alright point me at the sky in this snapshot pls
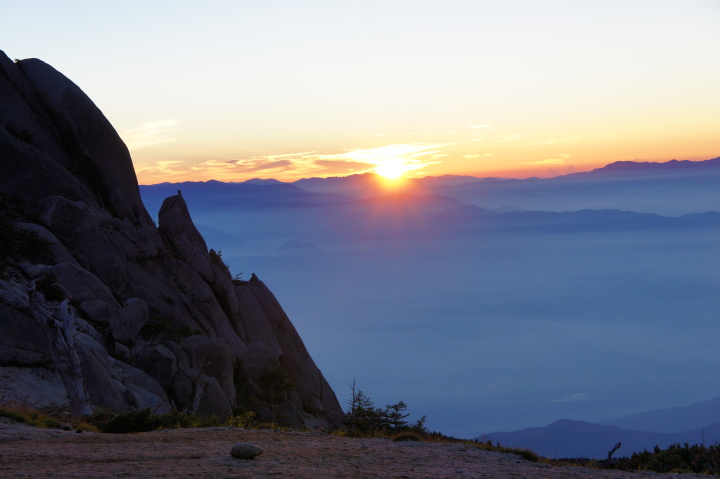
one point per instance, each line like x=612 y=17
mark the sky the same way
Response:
x=233 y=90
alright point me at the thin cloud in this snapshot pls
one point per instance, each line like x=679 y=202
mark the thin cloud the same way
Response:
x=160 y=167
x=337 y=167
x=560 y=160
x=261 y=164
x=150 y=133
x=160 y=171
x=571 y=398
x=412 y=156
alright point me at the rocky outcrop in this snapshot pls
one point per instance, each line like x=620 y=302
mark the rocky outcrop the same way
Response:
x=156 y=319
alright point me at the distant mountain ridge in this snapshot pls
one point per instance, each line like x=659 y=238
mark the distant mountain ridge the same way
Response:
x=668 y=188
x=634 y=167
x=671 y=188
x=569 y=439
x=671 y=420
x=694 y=424
x=672 y=165
x=248 y=193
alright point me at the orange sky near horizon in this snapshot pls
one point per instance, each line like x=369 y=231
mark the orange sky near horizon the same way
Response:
x=436 y=160
x=288 y=90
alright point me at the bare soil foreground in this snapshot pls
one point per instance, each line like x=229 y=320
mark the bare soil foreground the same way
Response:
x=205 y=453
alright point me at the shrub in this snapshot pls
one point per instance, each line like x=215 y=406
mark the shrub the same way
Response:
x=143 y=421
x=363 y=418
x=14 y=415
x=133 y=421
x=216 y=258
x=19 y=412
x=696 y=458
x=526 y=454
x=243 y=420
x=407 y=436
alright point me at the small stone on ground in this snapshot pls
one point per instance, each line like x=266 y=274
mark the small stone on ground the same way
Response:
x=244 y=450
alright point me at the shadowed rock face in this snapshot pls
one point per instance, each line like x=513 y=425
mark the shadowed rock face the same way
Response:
x=157 y=320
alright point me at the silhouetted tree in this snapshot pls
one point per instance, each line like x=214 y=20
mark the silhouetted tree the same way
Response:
x=395 y=417
x=363 y=417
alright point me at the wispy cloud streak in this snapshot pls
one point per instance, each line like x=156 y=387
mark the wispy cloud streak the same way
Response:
x=150 y=133
x=412 y=156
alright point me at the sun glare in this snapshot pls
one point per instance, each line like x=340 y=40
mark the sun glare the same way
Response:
x=393 y=170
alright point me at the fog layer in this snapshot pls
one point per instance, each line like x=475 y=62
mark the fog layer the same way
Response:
x=483 y=321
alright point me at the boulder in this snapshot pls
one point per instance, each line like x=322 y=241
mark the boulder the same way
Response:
x=82 y=284
x=99 y=312
x=210 y=399
x=159 y=362
x=243 y=450
x=126 y=326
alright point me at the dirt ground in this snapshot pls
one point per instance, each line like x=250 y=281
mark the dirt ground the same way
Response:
x=27 y=452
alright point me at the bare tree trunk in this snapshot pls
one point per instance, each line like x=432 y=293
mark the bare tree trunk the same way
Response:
x=58 y=324
x=612 y=451
x=201 y=385
x=66 y=359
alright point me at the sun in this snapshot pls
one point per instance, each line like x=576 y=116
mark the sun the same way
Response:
x=392 y=170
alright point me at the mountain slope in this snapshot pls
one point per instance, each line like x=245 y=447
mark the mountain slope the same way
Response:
x=101 y=308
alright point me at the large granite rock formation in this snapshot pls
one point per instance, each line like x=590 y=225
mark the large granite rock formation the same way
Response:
x=98 y=306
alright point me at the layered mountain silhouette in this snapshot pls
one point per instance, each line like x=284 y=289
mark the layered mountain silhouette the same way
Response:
x=697 y=423
x=671 y=188
x=572 y=439
x=99 y=307
x=506 y=282
x=672 y=420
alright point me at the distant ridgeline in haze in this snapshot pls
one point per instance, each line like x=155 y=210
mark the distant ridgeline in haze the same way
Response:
x=99 y=307
x=494 y=304
x=695 y=424
x=671 y=188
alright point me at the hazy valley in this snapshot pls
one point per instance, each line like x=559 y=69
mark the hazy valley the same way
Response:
x=490 y=319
